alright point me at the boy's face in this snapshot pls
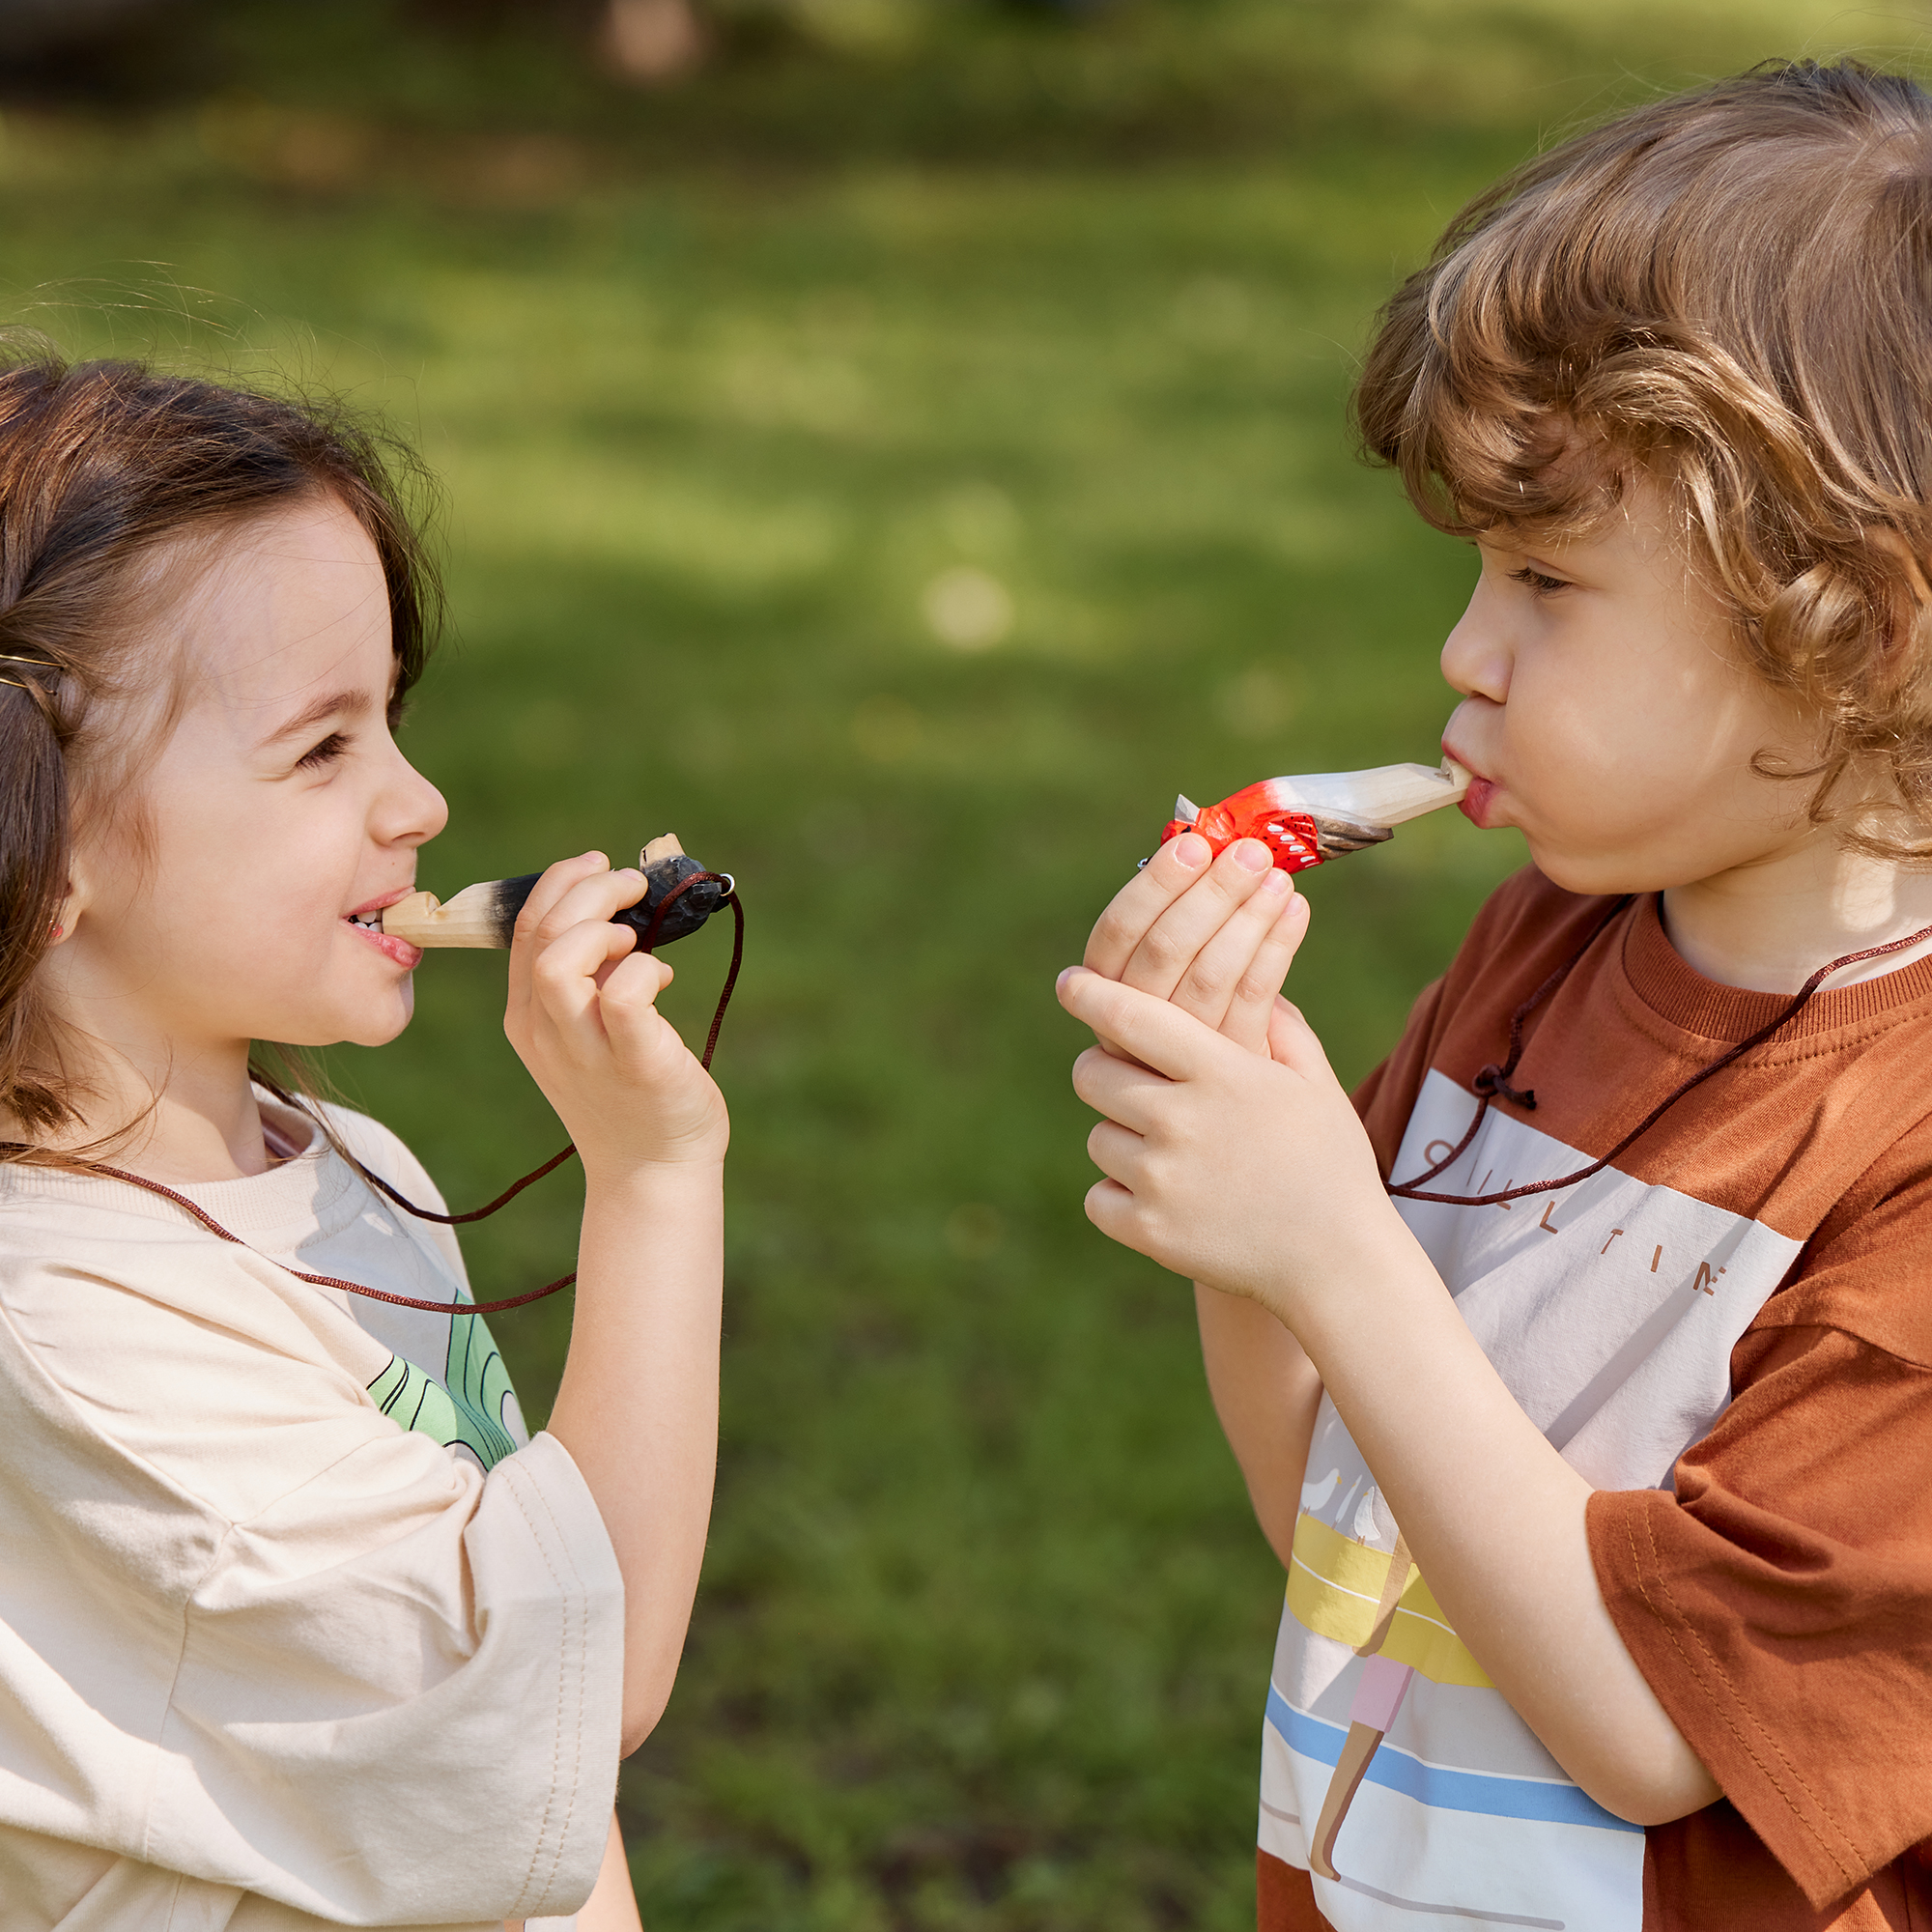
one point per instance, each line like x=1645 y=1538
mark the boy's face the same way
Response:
x=1608 y=716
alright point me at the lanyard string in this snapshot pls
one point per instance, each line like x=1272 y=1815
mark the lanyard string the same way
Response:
x=510 y=1193
x=1491 y=1083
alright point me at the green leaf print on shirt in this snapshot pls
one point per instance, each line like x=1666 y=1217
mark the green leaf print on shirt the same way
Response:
x=465 y=1407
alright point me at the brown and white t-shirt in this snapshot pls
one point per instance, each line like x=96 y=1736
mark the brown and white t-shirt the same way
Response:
x=1729 y=1333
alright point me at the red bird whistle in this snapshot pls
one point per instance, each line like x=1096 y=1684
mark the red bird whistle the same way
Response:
x=1321 y=815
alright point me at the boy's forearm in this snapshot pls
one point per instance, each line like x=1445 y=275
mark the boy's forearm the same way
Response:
x=1493 y=1517
x=1265 y=1392
x=637 y=1404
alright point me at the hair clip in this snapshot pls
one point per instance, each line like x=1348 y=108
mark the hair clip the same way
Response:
x=14 y=658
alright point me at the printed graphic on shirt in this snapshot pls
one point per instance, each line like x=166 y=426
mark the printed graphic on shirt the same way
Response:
x=1390 y=1766
x=474 y=1408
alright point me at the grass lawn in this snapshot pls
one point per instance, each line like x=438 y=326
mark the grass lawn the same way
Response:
x=904 y=535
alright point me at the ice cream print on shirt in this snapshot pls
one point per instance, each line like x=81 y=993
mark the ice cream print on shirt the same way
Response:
x=470 y=1407
x=1392 y=1768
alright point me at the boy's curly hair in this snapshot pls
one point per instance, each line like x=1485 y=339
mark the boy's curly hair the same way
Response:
x=1730 y=290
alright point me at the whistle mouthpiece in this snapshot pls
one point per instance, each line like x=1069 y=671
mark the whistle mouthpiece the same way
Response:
x=484 y=916
x=1304 y=821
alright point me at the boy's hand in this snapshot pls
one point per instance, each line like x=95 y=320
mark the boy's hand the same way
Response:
x=582 y=1017
x=1217 y=939
x=1250 y=1173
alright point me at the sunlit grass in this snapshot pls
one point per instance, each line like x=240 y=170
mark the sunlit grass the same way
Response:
x=904 y=537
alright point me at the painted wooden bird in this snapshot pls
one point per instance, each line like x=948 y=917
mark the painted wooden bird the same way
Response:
x=1321 y=815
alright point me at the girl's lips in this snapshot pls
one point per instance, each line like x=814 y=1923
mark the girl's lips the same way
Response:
x=400 y=951
x=381 y=904
x=392 y=947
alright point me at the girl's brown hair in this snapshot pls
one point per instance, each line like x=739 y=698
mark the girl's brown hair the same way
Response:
x=1731 y=291
x=105 y=467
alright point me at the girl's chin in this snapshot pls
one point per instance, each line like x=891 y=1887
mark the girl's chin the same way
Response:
x=379 y=1025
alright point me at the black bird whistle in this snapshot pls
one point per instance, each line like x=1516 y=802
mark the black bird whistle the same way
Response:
x=485 y=915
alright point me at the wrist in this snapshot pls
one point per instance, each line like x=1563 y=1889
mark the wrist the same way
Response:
x=1365 y=1276
x=616 y=1178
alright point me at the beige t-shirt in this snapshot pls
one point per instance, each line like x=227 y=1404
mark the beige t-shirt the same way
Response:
x=296 y=1628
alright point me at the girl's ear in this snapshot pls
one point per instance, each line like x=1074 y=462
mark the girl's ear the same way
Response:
x=73 y=903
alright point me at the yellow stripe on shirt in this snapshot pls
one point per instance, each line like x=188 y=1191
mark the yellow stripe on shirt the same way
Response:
x=1334 y=1586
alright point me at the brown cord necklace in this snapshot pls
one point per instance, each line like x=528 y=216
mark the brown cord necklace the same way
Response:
x=510 y=1193
x=1491 y=1082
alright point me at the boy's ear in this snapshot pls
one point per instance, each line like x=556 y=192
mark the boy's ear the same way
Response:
x=1911 y=598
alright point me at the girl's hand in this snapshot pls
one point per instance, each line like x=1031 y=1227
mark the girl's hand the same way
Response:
x=582 y=1017
x=1250 y=1174
x=1214 y=938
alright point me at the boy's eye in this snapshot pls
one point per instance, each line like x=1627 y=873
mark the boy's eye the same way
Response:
x=1538 y=583
x=325 y=753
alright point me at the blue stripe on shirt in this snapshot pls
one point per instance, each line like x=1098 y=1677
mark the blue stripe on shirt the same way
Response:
x=1437 y=1786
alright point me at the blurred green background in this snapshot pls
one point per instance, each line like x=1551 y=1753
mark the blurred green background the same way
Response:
x=898 y=444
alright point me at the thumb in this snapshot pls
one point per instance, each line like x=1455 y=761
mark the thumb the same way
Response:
x=1292 y=1043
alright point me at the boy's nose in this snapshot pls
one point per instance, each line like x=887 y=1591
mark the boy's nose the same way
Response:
x=1475 y=658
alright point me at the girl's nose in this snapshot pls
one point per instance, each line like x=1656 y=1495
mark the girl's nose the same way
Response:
x=411 y=810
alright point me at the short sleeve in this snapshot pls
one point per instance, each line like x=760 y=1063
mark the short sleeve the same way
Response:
x=1780 y=1603
x=252 y=1631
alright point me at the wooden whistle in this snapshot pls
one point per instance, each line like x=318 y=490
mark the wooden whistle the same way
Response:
x=485 y=915
x=1321 y=815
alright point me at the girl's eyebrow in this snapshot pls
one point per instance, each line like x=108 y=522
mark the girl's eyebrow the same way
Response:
x=331 y=705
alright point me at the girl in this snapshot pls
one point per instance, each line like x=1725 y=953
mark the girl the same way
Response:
x=297 y=1625
x=1600 y=1455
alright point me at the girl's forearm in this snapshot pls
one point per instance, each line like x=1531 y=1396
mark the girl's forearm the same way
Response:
x=1494 y=1518
x=637 y=1404
x=1265 y=1393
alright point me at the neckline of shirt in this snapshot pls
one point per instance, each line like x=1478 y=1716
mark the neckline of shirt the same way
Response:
x=311 y=1194
x=1673 y=989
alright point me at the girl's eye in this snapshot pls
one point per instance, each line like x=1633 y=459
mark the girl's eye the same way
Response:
x=1538 y=582
x=325 y=753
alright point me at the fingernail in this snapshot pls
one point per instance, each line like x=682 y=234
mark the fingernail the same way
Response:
x=1277 y=884
x=1252 y=856
x=1192 y=851
x=1065 y=974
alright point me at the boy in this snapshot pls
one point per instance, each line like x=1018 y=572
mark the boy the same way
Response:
x=1601 y=1454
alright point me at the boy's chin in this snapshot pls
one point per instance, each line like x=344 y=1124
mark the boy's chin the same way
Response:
x=1589 y=877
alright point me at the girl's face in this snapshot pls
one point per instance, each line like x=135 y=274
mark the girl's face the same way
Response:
x=279 y=805
x=1606 y=714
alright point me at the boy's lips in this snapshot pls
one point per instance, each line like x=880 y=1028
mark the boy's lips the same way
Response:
x=1475 y=803
x=367 y=921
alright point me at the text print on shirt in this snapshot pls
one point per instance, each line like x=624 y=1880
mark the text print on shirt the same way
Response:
x=1621 y=1382
x=1616 y=1340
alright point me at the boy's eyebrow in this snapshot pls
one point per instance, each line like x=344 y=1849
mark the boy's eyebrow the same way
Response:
x=333 y=704
x=1522 y=546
